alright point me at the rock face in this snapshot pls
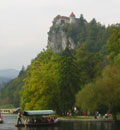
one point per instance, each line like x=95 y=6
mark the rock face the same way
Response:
x=58 y=41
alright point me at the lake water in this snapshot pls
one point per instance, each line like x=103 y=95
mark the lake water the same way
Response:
x=10 y=119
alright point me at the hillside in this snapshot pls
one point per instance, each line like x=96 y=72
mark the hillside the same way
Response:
x=6 y=75
x=10 y=92
x=76 y=55
x=9 y=73
x=4 y=79
x=71 y=34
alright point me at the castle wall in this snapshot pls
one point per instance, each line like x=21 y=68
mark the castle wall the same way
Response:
x=72 y=20
x=61 y=21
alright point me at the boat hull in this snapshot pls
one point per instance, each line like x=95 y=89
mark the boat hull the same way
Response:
x=19 y=125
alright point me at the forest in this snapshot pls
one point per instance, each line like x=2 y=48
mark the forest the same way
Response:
x=87 y=77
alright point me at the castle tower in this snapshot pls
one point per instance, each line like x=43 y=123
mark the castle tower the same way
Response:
x=72 y=18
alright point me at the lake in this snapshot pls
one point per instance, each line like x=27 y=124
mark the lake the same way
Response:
x=10 y=119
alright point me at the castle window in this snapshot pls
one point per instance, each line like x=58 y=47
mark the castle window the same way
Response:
x=62 y=21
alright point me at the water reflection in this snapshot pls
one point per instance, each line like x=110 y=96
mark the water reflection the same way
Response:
x=39 y=128
x=9 y=121
x=90 y=125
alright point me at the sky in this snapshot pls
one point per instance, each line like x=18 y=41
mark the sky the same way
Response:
x=24 y=24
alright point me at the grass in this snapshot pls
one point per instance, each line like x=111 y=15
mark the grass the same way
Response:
x=76 y=117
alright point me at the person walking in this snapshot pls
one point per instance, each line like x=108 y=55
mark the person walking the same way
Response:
x=19 y=116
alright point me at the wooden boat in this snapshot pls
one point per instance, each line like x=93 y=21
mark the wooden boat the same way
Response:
x=19 y=125
x=39 y=118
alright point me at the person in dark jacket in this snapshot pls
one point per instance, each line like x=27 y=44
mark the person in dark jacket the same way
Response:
x=19 y=116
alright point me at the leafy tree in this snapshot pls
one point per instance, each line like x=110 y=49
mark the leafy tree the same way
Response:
x=89 y=64
x=51 y=83
x=114 y=43
x=52 y=80
x=104 y=92
x=40 y=84
x=68 y=81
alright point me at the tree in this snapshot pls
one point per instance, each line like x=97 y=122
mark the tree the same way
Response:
x=114 y=43
x=89 y=64
x=68 y=82
x=104 y=92
x=40 y=85
x=82 y=21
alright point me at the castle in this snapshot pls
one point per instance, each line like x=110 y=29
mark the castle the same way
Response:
x=57 y=38
x=60 y=20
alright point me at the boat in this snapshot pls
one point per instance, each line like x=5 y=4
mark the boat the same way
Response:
x=39 y=118
x=19 y=125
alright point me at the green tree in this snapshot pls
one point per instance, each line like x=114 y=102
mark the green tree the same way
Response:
x=68 y=81
x=114 y=43
x=104 y=92
x=40 y=85
x=89 y=64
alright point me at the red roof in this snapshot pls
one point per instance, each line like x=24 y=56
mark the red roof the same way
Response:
x=61 y=17
x=72 y=14
x=64 y=17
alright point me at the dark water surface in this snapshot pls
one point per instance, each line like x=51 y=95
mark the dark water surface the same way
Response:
x=10 y=119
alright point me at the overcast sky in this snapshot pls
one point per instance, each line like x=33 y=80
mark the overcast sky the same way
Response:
x=24 y=24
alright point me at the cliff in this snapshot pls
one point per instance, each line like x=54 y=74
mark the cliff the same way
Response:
x=71 y=32
x=58 y=41
x=57 y=38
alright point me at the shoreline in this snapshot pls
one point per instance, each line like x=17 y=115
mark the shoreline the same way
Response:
x=86 y=119
x=90 y=120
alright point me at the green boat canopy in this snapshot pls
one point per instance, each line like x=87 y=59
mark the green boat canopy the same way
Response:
x=38 y=113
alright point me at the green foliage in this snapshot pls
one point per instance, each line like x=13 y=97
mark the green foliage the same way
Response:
x=51 y=83
x=68 y=81
x=92 y=33
x=104 y=92
x=89 y=64
x=114 y=43
x=53 y=80
x=40 y=88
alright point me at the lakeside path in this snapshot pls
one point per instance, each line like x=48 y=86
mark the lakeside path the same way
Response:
x=84 y=118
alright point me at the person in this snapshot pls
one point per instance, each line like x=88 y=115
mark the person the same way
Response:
x=85 y=113
x=96 y=115
x=0 y=116
x=19 y=118
x=108 y=115
x=105 y=116
x=56 y=120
